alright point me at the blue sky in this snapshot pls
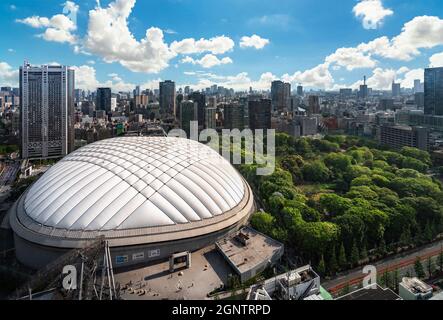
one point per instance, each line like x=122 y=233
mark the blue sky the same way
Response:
x=293 y=40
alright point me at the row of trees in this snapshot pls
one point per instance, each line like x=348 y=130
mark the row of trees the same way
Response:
x=374 y=200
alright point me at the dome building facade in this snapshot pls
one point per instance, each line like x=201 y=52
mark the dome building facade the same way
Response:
x=150 y=197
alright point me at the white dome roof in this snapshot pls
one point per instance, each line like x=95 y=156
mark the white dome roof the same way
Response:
x=135 y=182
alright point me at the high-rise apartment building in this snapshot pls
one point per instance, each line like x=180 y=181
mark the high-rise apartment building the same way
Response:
x=167 y=99
x=188 y=113
x=314 y=105
x=280 y=95
x=234 y=116
x=47 y=108
x=434 y=91
x=103 y=100
x=211 y=118
x=200 y=99
x=260 y=114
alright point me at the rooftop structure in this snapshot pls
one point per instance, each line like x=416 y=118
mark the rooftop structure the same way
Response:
x=414 y=289
x=294 y=285
x=250 y=252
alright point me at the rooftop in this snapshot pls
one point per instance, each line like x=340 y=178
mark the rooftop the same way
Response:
x=248 y=249
x=369 y=294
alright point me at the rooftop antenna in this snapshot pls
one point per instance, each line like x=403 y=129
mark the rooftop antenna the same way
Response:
x=364 y=80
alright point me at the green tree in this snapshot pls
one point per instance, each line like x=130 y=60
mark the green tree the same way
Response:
x=263 y=222
x=338 y=162
x=316 y=171
x=418 y=154
x=321 y=268
x=355 y=256
x=430 y=266
x=419 y=270
x=396 y=280
x=440 y=259
x=342 y=261
x=333 y=265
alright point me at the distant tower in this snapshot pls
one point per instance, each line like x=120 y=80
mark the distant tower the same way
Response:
x=363 y=93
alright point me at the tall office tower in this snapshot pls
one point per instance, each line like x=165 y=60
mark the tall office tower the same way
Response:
x=314 y=105
x=188 y=113
x=396 y=89
x=136 y=91
x=47 y=105
x=280 y=94
x=187 y=90
x=200 y=99
x=300 y=91
x=211 y=118
x=434 y=91
x=417 y=86
x=179 y=99
x=363 y=93
x=419 y=98
x=103 y=100
x=167 y=99
x=260 y=114
x=234 y=116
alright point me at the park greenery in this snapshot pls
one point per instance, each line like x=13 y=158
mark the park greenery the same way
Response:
x=341 y=201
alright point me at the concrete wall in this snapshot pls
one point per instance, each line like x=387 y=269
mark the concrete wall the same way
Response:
x=37 y=256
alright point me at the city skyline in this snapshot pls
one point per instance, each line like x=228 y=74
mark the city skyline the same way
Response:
x=236 y=45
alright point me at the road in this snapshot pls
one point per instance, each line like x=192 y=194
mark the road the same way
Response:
x=9 y=174
x=404 y=261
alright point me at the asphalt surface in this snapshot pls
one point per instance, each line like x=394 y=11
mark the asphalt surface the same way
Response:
x=402 y=262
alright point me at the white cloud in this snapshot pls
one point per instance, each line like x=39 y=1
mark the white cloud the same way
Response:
x=317 y=77
x=436 y=60
x=216 y=45
x=372 y=13
x=35 y=21
x=8 y=75
x=350 y=58
x=169 y=31
x=408 y=79
x=109 y=37
x=86 y=79
x=208 y=61
x=253 y=41
x=282 y=21
x=59 y=28
x=423 y=32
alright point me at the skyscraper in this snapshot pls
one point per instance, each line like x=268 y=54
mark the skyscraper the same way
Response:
x=417 y=86
x=188 y=113
x=234 y=117
x=280 y=94
x=260 y=114
x=103 y=100
x=300 y=91
x=396 y=89
x=211 y=118
x=434 y=91
x=363 y=93
x=47 y=105
x=314 y=105
x=200 y=99
x=167 y=99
